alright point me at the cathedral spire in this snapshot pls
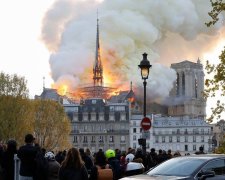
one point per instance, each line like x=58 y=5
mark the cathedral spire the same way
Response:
x=97 y=69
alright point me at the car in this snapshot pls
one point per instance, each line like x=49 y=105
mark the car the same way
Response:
x=193 y=167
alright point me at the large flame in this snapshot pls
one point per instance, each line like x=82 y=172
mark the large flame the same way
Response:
x=62 y=90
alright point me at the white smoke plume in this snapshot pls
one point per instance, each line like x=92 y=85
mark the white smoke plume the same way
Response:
x=169 y=31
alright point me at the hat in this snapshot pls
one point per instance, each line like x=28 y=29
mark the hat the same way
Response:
x=129 y=157
x=50 y=156
x=110 y=153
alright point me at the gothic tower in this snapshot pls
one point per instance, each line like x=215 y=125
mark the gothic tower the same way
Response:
x=98 y=69
x=187 y=93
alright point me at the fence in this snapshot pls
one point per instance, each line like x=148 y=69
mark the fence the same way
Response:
x=17 y=167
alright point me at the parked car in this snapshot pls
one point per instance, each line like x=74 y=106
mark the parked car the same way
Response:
x=194 y=167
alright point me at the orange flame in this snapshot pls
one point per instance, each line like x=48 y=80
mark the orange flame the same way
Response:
x=62 y=89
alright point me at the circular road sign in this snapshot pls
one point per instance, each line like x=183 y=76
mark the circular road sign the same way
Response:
x=146 y=123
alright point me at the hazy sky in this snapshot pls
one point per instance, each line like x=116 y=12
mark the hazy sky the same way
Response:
x=23 y=52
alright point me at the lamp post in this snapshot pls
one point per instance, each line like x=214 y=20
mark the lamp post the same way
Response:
x=145 y=66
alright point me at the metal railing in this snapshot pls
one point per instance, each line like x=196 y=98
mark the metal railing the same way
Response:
x=16 y=167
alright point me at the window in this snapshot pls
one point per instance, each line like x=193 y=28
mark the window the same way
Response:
x=194 y=138
x=178 y=131
x=134 y=145
x=186 y=147
x=134 y=130
x=170 y=139
x=122 y=117
x=134 y=138
x=177 y=85
x=183 y=84
x=92 y=138
x=163 y=139
x=202 y=138
x=85 y=139
x=202 y=131
x=93 y=116
x=134 y=123
x=196 y=88
x=101 y=117
x=75 y=139
x=111 y=108
x=120 y=108
x=111 y=139
x=112 y=117
x=194 y=147
x=186 y=139
x=156 y=139
x=93 y=101
x=101 y=139
x=178 y=139
x=218 y=166
x=122 y=139
x=85 y=116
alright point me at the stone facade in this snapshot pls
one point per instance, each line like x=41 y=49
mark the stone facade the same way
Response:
x=176 y=133
x=186 y=98
x=97 y=124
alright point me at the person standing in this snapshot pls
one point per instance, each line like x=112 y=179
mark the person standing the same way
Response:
x=8 y=160
x=53 y=166
x=73 y=167
x=27 y=154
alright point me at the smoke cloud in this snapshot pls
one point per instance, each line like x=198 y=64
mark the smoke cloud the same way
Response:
x=169 y=31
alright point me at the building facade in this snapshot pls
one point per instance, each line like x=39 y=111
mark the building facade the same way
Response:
x=97 y=124
x=186 y=97
x=176 y=133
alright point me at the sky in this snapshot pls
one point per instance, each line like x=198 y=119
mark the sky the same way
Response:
x=36 y=35
x=22 y=51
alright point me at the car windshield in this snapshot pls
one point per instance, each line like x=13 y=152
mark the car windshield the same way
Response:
x=177 y=167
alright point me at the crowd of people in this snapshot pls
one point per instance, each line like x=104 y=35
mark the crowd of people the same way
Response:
x=73 y=164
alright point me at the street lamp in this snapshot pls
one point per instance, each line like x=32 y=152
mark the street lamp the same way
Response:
x=145 y=123
x=145 y=66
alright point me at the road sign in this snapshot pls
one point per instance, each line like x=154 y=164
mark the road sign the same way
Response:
x=146 y=123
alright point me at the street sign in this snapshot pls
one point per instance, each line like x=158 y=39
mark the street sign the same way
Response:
x=145 y=134
x=146 y=123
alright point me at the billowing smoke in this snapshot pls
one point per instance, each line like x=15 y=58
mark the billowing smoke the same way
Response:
x=169 y=31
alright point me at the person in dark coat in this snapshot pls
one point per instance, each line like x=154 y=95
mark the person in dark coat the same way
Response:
x=8 y=160
x=41 y=164
x=87 y=160
x=114 y=164
x=73 y=167
x=152 y=158
x=27 y=154
x=53 y=166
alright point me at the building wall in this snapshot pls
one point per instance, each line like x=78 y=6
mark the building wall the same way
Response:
x=99 y=125
x=175 y=133
x=186 y=96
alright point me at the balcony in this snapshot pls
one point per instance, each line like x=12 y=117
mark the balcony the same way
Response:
x=75 y=132
x=180 y=133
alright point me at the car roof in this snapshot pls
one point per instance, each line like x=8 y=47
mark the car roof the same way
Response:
x=204 y=156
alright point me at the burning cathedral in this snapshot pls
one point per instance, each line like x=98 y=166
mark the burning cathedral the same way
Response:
x=103 y=119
